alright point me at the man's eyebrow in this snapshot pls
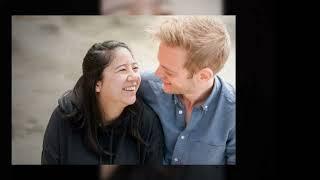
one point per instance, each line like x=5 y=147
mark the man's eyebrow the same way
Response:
x=135 y=63
x=167 y=69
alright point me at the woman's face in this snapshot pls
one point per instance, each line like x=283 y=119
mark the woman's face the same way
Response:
x=120 y=80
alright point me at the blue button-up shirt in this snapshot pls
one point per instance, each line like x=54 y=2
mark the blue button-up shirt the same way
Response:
x=210 y=136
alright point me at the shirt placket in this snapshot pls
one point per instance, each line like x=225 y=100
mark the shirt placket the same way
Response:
x=181 y=143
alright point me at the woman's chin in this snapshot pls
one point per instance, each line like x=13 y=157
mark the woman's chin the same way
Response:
x=130 y=100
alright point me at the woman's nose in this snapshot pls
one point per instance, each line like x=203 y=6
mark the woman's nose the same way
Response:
x=133 y=77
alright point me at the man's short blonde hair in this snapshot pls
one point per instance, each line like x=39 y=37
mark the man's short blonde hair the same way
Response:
x=205 y=38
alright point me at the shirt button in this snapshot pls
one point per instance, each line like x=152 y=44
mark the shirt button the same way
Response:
x=180 y=111
x=176 y=159
x=182 y=137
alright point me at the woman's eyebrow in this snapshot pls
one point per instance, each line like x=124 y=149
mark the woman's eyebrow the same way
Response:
x=134 y=63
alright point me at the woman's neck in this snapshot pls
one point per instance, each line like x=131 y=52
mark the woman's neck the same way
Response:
x=110 y=111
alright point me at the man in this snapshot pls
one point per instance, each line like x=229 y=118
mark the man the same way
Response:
x=196 y=107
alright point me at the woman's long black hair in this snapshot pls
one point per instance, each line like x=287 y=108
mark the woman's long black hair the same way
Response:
x=98 y=57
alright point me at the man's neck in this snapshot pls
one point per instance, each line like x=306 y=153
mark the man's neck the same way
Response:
x=198 y=97
x=191 y=100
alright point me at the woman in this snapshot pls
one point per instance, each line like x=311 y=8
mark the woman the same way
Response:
x=101 y=121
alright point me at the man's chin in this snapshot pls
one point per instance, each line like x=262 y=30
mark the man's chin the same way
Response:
x=167 y=90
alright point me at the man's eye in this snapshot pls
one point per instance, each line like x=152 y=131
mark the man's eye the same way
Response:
x=122 y=70
x=136 y=68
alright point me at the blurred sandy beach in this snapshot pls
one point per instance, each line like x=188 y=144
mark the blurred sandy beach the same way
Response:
x=47 y=54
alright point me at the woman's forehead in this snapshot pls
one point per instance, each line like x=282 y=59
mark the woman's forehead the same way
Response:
x=122 y=56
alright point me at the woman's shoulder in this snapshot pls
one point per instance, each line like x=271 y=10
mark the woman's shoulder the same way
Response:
x=148 y=117
x=65 y=112
x=58 y=120
x=67 y=103
x=147 y=111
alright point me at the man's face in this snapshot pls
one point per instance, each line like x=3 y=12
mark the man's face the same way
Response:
x=175 y=78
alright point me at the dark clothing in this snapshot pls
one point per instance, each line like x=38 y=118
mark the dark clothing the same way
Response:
x=64 y=144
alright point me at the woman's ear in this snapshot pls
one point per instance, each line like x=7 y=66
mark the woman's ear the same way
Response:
x=98 y=86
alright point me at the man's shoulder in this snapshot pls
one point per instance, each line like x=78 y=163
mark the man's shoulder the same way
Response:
x=149 y=77
x=228 y=91
x=150 y=83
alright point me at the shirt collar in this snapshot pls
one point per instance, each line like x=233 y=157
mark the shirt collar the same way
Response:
x=207 y=102
x=213 y=93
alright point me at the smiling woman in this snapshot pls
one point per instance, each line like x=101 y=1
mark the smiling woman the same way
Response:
x=101 y=121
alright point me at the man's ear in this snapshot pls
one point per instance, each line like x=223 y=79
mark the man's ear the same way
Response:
x=205 y=74
x=98 y=86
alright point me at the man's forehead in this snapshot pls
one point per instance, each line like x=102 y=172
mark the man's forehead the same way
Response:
x=173 y=50
x=172 y=59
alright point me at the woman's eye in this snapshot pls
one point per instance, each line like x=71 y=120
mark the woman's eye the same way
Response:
x=122 y=70
x=135 y=68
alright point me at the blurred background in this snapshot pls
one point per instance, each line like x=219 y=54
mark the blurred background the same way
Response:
x=47 y=54
x=161 y=7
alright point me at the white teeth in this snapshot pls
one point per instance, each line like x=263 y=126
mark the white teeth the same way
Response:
x=131 y=88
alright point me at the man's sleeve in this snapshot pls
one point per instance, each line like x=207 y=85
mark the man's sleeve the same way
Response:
x=231 y=147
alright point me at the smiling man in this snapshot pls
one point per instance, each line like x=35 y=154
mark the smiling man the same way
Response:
x=196 y=106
